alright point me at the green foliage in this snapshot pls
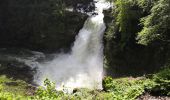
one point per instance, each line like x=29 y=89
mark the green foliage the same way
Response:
x=127 y=15
x=146 y=5
x=3 y=79
x=127 y=89
x=121 y=33
x=115 y=89
x=10 y=96
x=48 y=92
x=138 y=36
x=108 y=83
x=17 y=87
x=12 y=90
x=162 y=80
x=154 y=16
x=1 y=87
x=156 y=25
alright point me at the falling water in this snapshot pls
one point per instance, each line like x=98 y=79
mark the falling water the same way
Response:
x=83 y=67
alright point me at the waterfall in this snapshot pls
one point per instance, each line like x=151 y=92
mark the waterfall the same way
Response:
x=83 y=66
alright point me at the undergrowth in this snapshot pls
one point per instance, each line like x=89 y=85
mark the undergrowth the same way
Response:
x=12 y=89
x=113 y=89
x=126 y=88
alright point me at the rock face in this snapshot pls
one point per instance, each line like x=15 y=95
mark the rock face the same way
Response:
x=131 y=58
x=38 y=24
x=19 y=63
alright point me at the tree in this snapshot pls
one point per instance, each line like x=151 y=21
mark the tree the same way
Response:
x=156 y=25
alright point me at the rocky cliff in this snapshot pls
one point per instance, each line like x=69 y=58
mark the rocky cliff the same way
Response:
x=40 y=25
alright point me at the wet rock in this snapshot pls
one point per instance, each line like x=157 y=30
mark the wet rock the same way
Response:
x=11 y=83
x=147 y=96
x=19 y=64
x=39 y=26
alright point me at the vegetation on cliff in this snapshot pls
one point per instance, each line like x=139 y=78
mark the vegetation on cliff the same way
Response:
x=39 y=25
x=137 y=39
x=137 y=47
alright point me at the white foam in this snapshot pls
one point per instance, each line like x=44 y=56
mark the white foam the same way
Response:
x=83 y=67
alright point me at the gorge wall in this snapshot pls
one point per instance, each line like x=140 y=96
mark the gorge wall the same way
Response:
x=39 y=25
x=48 y=26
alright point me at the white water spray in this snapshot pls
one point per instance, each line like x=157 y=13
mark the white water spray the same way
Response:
x=83 y=67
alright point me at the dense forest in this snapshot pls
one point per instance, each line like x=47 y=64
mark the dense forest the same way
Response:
x=138 y=36
x=136 y=42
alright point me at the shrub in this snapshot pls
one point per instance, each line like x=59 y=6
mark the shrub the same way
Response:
x=162 y=80
x=125 y=89
x=48 y=92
